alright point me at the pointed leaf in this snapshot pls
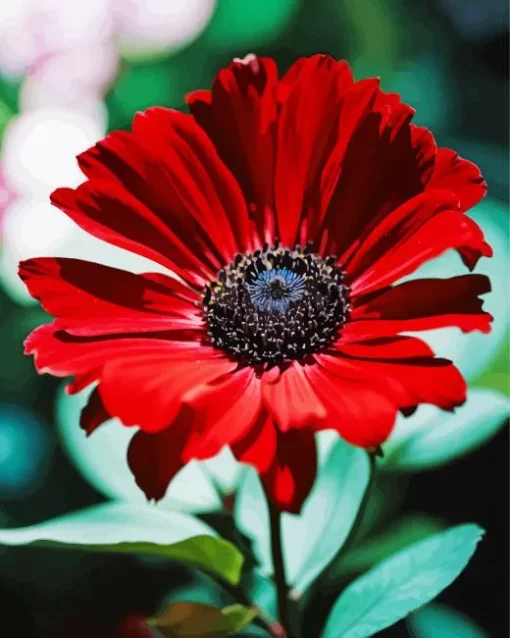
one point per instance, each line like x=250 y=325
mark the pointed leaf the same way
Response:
x=331 y=510
x=311 y=539
x=386 y=496
x=402 y=583
x=189 y=619
x=448 y=436
x=238 y=617
x=121 y=527
x=374 y=549
x=439 y=621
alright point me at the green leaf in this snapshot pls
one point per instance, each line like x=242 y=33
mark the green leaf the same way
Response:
x=498 y=381
x=387 y=494
x=121 y=527
x=238 y=617
x=311 y=539
x=201 y=589
x=448 y=436
x=439 y=621
x=394 y=538
x=496 y=376
x=402 y=583
x=189 y=619
x=262 y=592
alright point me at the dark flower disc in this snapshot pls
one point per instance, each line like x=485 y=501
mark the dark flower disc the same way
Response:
x=276 y=304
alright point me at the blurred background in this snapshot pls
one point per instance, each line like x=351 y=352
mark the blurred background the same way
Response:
x=69 y=73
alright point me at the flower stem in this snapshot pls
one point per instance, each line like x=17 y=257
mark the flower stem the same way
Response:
x=279 y=569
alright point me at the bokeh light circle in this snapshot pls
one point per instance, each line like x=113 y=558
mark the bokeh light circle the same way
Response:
x=146 y=26
x=40 y=146
x=26 y=446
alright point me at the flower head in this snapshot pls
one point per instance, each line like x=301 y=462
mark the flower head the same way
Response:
x=287 y=210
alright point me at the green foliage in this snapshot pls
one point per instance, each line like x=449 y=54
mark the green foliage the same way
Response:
x=438 y=621
x=243 y=23
x=123 y=528
x=311 y=539
x=448 y=436
x=139 y=87
x=402 y=583
x=387 y=493
x=374 y=549
x=188 y=619
x=6 y=113
x=497 y=377
x=18 y=377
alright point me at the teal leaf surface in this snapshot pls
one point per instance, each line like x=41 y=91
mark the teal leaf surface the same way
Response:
x=439 y=621
x=311 y=539
x=402 y=583
x=126 y=528
x=446 y=436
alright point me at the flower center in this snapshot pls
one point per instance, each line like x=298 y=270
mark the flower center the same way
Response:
x=275 y=304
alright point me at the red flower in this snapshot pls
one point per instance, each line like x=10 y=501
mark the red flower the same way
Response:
x=289 y=209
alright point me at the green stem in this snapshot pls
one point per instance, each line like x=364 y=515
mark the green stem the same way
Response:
x=279 y=569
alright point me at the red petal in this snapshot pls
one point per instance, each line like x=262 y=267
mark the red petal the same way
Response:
x=223 y=412
x=287 y=82
x=63 y=355
x=443 y=168
x=361 y=413
x=379 y=162
x=259 y=446
x=161 y=192
x=356 y=107
x=364 y=171
x=199 y=430
x=422 y=304
x=308 y=130
x=286 y=461
x=148 y=388
x=291 y=400
x=94 y=413
x=91 y=299
x=394 y=347
x=292 y=474
x=197 y=184
x=419 y=230
x=405 y=364
x=106 y=210
x=155 y=459
x=239 y=116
